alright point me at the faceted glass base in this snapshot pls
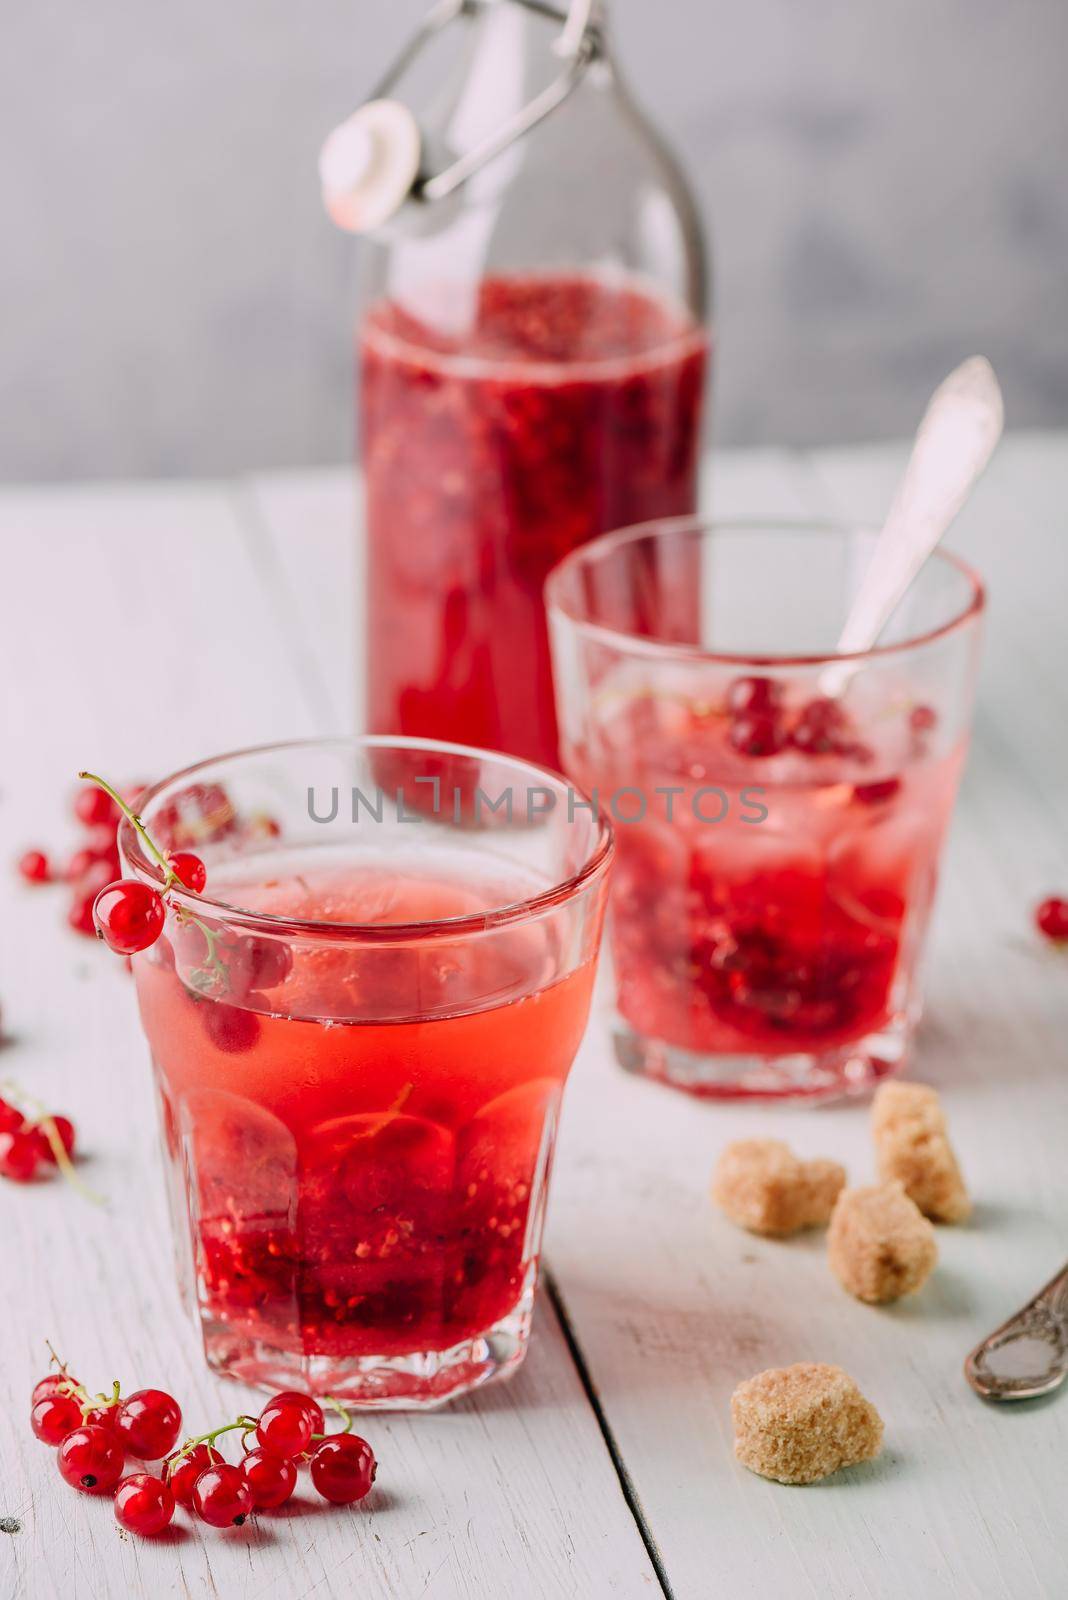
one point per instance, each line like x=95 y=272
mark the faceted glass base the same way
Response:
x=418 y=1381
x=847 y=1070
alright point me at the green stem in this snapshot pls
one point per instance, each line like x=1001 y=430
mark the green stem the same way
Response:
x=346 y=1416
x=248 y=1424
x=135 y=822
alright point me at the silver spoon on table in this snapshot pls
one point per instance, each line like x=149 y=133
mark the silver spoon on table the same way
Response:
x=1028 y=1355
x=954 y=442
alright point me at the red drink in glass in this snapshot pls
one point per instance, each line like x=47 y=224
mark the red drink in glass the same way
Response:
x=780 y=819
x=782 y=935
x=360 y=1078
x=565 y=406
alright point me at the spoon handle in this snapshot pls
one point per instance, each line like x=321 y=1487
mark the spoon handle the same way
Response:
x=960 y=428
x=1028 y=1355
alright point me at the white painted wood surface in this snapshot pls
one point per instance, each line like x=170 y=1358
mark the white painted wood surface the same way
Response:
x=142 y=627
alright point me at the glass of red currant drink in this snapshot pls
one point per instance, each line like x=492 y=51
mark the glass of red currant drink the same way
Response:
x=360 y=1032
x=780 y=809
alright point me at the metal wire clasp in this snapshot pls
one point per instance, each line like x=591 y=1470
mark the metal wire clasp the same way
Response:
x=577 y=44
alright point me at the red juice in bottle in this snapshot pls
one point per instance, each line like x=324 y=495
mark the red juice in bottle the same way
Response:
x=566 y=406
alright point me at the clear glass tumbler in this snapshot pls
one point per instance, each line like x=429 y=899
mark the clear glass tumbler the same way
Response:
x=781 y=809
x=361 y=1033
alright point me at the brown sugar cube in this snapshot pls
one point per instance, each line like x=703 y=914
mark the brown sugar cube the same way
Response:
x=911 y=1144
x=799 y=1424
x=764 y=1187
x=880 y=1246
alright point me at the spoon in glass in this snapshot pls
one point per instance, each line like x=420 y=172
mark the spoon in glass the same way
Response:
x=954 y=442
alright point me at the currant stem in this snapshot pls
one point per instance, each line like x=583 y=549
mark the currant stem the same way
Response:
x=72 y=1387
x=246 y=1423
x=345 y=1415
x=135 y=822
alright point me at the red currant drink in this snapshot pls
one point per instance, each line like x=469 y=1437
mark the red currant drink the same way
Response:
x=784 y=920
x=778 y=844
x=360 y=1079
x=566 y=406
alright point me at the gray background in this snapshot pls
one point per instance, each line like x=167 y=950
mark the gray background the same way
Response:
x=885 y=181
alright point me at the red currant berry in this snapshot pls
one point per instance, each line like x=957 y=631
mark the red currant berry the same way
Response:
x=757 y=734
x=753 y=695
x=18 y=1156
x=182 y=1471
x=922 y=719
x=55 y=1383
x=64 y=1130
x=189 y=870
x=91 y=1459
x=11 y=1120
x=83 y=861
x=54 y=1416
x=343 y=1468
x=129 y=916
x=80 y=912
x=229 y=1027
x=310 y=1404
x=143 y=1504
x=221 y=1497
x=874 y=794
x=34 y=867
x=95 y=808
x=106 y=1417
x=149 y=1424
x=285 y=1426
x=1051 y=918
x=265 y=962
x=272 y=1478
x=821 y=728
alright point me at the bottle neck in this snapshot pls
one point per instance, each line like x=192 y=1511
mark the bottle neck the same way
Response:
x=576 y=17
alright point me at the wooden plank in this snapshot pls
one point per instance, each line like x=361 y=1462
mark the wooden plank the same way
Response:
x=671 y=1307
x=150 y=640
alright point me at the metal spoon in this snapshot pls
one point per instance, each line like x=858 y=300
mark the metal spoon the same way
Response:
x=954 y=442
x=1028 y=1355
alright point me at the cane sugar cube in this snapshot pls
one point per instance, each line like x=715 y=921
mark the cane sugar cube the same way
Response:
x=911 y=1144
x=763 y=1186
x=801 y=1423
x=880 y=1245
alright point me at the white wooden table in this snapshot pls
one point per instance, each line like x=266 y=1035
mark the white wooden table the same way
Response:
x=144 y=626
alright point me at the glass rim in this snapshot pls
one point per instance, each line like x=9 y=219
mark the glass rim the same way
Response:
x=424 y=931
x=666 y=649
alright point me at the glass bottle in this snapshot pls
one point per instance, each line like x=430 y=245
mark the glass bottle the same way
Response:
x=532 y=359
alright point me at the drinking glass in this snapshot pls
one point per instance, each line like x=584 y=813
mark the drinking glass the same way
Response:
x=360 y=1034
x=780 y=809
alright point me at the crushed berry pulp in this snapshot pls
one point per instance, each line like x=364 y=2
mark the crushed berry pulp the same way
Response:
x=354 y=1187
x=570 y=407
x=795 y=934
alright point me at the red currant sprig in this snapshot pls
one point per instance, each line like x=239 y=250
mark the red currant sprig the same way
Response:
x=43 y=1138
x=94 y=1434
x=288 y=1431
x=129 y=915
